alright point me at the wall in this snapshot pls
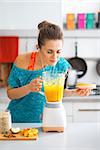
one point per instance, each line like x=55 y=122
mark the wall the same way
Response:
x=27 y=14
x=89 y=50
x=79 y=6
x=21 y=18
x=88 y=41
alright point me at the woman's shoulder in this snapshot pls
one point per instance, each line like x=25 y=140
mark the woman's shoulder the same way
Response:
x=22 y=60
x=63 y=65
x=64 y=61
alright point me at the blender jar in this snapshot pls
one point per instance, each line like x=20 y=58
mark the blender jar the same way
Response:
x=53 y=86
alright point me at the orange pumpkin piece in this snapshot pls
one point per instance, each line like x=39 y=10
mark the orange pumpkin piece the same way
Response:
x=29 y=132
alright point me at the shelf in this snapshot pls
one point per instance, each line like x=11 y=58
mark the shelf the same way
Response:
x=21 y=33
x=82 y=33
x=29 y=33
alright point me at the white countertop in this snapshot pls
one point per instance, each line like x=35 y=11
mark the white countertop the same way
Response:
x=94 y=98
x=77 y=136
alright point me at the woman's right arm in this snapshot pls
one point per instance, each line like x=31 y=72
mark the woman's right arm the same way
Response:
x=34 y=86
x=16 y=93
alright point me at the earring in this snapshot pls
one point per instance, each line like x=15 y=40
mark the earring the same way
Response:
x=37 y=47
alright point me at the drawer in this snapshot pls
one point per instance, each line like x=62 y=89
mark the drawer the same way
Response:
x=86 y=112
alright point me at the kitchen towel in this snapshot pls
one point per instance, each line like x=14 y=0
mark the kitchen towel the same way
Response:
x=8 y=48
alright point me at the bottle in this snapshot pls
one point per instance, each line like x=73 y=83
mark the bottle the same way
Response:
x=72 y=79
x=5 y=121
x=90 y=20
x=70 y=21
x=81 y=21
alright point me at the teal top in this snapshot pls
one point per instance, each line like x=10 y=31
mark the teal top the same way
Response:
x=30 y=107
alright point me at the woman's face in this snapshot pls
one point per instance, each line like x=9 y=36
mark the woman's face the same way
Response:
x=50 y=52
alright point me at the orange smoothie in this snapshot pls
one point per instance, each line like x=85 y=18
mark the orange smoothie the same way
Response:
x=54 y=92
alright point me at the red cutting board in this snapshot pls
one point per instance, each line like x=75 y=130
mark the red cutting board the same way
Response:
x=18 y=136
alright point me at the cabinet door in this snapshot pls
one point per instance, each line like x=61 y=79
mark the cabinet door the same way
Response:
x=86 y=112
x=68 y=109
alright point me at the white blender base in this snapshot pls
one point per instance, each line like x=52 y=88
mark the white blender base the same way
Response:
x=54 y=119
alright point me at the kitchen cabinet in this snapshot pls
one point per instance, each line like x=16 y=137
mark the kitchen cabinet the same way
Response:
x=86 y=112
x=86 y=109
x=68 y=109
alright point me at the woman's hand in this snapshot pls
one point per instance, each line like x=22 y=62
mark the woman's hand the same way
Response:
x=83 y=92
x=68 y=92
x=77 y=92
x=35 y=85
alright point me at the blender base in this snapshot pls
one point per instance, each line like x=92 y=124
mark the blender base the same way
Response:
x=53 y=129
x=54 y=117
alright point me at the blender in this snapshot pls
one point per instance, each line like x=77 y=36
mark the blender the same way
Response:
x=54 y=116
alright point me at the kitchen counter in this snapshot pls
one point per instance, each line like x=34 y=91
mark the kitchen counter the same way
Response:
x=77 y=136
x=91 y=98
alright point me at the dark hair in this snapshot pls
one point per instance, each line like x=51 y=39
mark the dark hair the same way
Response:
x=48 y=31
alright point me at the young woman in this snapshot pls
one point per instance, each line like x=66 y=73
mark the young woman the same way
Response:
x=25 y=82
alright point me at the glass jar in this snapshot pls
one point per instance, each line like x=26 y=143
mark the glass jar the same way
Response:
x=71 y=79
x=5 y=121
x=53 y=86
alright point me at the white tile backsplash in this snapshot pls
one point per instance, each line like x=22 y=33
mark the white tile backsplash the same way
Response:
x=91 y=74
x=86 y=47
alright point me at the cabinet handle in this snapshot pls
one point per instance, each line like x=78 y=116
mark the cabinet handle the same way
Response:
x=88 y=109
